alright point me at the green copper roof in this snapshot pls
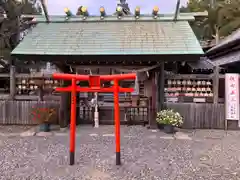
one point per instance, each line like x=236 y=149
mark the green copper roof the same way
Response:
x=143 y=17
x=117 y=37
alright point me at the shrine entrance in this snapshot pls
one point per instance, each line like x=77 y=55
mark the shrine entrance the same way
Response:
x=134 y=107
x=94 y=86
x=85 y=109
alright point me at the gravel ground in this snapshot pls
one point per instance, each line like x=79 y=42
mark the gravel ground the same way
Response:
x=14 y=129
x=146 y=155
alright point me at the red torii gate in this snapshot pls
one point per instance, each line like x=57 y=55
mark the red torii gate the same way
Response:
x=94 y=86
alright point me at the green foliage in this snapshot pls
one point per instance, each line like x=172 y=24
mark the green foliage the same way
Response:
x=223 y=17
x=169 y=117
x=11 y=26
x=31 y=7
x=44 y=115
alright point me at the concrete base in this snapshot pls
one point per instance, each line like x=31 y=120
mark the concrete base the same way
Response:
x=44 y=134
x=28 y=133
x=183 y=136
x=63 y=129
x=96 y=119
x=152 y=127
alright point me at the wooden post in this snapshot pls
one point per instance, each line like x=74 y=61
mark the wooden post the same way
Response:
x=152 y=120
x=215 y=84
x=12 y=79
x=157 y=75
x=65 y=102
x=73 y=122
x=40 y=93
x=161 y=83
x=77 y=108
x=117 y=121
x=64 y=107
x=157 y=95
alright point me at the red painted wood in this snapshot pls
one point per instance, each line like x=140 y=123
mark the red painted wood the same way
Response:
x=79 y=89
x=95 y=86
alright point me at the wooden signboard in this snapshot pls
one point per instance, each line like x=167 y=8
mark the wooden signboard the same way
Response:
x=232 y=96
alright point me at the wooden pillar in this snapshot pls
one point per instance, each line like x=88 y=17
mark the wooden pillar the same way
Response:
x=77 y=108
x=12 y=79
x=161 y=80
x=65 y=103
x=153 y=111
x=215 y=84
x=157 y=95
x=40 y=93
x=65 y=107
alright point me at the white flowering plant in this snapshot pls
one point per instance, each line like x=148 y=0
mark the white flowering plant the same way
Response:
x=169 y=117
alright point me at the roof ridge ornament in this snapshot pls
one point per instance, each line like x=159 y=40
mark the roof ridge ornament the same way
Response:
x=68 y=13
x=155 y=12
x=137 y=12
x=119 y=11
x=125 y=8
x=102 y=12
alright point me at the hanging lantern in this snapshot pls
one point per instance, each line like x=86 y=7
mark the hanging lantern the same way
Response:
x=155 y=11
x=137 y=12
x=102 y=12
x=68 y=12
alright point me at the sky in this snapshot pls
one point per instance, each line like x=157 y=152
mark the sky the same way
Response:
x=56 y=7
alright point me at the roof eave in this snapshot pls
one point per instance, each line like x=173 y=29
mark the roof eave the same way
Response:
x=214 y=50
x=226 y=42
x=160 y=17
x=230 y=58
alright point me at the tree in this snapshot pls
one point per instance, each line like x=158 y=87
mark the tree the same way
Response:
x=31 y=7
x=223 y=18
x=11 y=23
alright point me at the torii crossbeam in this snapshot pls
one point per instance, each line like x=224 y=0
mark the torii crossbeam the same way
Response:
x=94 y=86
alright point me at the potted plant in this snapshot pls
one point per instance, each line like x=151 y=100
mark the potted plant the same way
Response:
x=45 y=116
x=169 y=119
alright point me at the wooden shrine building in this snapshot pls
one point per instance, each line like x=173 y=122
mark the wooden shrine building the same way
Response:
x=227 y=53
x=146 y=44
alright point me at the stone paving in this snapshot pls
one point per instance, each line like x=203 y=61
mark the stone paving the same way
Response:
x=146 y=155
x=13 y=130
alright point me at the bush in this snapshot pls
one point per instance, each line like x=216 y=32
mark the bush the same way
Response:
x=169 y=117
x=44 y=115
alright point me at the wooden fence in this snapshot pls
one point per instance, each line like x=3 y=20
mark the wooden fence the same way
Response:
x=200 y=116
x=20 y=112
x=210 y=116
